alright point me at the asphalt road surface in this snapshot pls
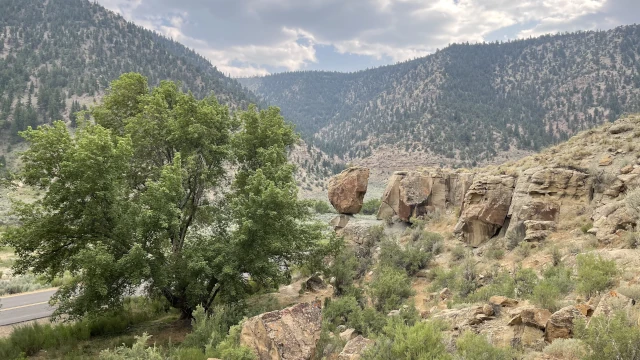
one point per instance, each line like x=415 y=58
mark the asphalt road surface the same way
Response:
x=24 y=307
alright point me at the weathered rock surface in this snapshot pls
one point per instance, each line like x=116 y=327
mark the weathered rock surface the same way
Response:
x=289 y=334
x=416 y=193
x=537 y=197
x=347 y=190
x=535 y=231
x=354 y=348
x=611 y=302
x=560 y=324
x=503 y=301
x=609 y=218
x=485 y=208
x=340 y=221
x=531 y=316
x=348 y=334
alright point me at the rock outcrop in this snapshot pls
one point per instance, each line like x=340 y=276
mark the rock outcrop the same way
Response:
x=560 y=324
x=354 y=348
x=537 y=197
x=485 y=208
x=416 y=193
x=289 y=334
x=347 y=190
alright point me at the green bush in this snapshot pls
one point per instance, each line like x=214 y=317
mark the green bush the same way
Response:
x=139 y=350
x=347 y=311
x=586 y=227
x=494 y=251
x=471 y=346
x=502 y=283
x=230 y=347
x=376 y=234
x=320 y=206
x=610 y=337
x=566 y=349
x=344 y=271
x=458 y=253
x=371 y=206
x=213 y=329
x=389 y=288
x=401 y=341
x=632 y=238
x=414 y=257
x=556 y=283
x=432 y=241
x=594 y=274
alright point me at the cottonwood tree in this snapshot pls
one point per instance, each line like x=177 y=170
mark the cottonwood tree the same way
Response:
x=138 y=198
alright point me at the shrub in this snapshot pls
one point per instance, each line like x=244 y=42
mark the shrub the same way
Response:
x=376 y=234
x=567 y=349
x=632 y=291
x=343 y=270
x=556 y=283
x=586 y=227
x=524 y=249
x=389 y=288
x=230 y=347
x=444 y=279
x=633 y=201
x=501 y=283
x=610 y=337
x=432 y=241
x=494 y=251
x=340 y=311
x=458 y=253
x=400 y=341
x=471 y=346
x=556 y=256
x=632 y=239
x=414 y=257
x=211 y=330
x=371 y=206
x=468 y=283
x=20 y=284
x=139 y=350
x=594 y=274
x=321 y=207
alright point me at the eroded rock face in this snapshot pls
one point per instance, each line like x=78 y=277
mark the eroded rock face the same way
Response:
x=289 y=334
x=347 y=190
x=537 y=197
x=531 y=316
x=610 y=218
x=560 y=324
x=354 y=348
x=485 y=208
x=416 y=193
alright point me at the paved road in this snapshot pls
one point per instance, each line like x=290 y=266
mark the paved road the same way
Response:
x=25 y=307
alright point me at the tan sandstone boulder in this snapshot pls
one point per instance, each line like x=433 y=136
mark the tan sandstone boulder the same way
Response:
x=560 y=324
x=354 y=348
x=531 y=316
x=289 y=334
x=347 y=190
x=485 y=208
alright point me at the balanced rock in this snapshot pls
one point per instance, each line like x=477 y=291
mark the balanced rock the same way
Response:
x=531 y=316
x=347 y=190
x=503 y=301
x=485 y=209
x=289 y=334
x=560 y=324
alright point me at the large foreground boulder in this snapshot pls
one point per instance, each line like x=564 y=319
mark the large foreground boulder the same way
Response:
x=354 y=348
x=485 y=208
x=347 y=190
x=289 y=334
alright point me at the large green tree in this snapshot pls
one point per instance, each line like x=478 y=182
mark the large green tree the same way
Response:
x=143 y=197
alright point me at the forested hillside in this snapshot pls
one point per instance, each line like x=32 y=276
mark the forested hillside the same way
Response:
x=58 y=56
x=467 y=103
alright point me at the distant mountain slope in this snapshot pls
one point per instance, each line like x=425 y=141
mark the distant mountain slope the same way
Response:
x=59 y=54
x=467 y=103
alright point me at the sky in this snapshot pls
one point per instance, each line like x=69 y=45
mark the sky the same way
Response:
x=259 y=37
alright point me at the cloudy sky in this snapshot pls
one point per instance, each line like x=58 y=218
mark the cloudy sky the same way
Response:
x=257 y=37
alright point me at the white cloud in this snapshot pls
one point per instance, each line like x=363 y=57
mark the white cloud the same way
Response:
x=253 y=37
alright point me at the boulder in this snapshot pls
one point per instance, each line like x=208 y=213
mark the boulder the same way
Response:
x=315 y=284
x=531 y=316
x=354 y=348
x=416 y=193
x=606 y=161
x=535 y=231
x=620 y=128
x=485 y=209
x=347 y=190
x=348 y=334
x=560 y=324
x=290 y=334
x=611 y=302
x=445 y=294
x=627 y=169
x=611 y=217
x=503 y=301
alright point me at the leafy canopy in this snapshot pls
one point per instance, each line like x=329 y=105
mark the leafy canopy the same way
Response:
x=141 y=197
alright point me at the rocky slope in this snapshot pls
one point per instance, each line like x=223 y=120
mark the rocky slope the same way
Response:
x=465 y=104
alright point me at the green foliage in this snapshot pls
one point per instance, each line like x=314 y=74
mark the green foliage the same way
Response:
x=371 y=207
x=344 y=271
x=413 y=257
x=321 y=207
x=594 y=274
x=556 y=283
x=347 y=311
x=139 y=350
x=494 y=252
x=230 y=347
x=389 y=288
x=610 y=337
x=586 y=227
x=471 y=346
x=125 y=199
x=422 y=340
x=213 y=329
x=458 y=253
